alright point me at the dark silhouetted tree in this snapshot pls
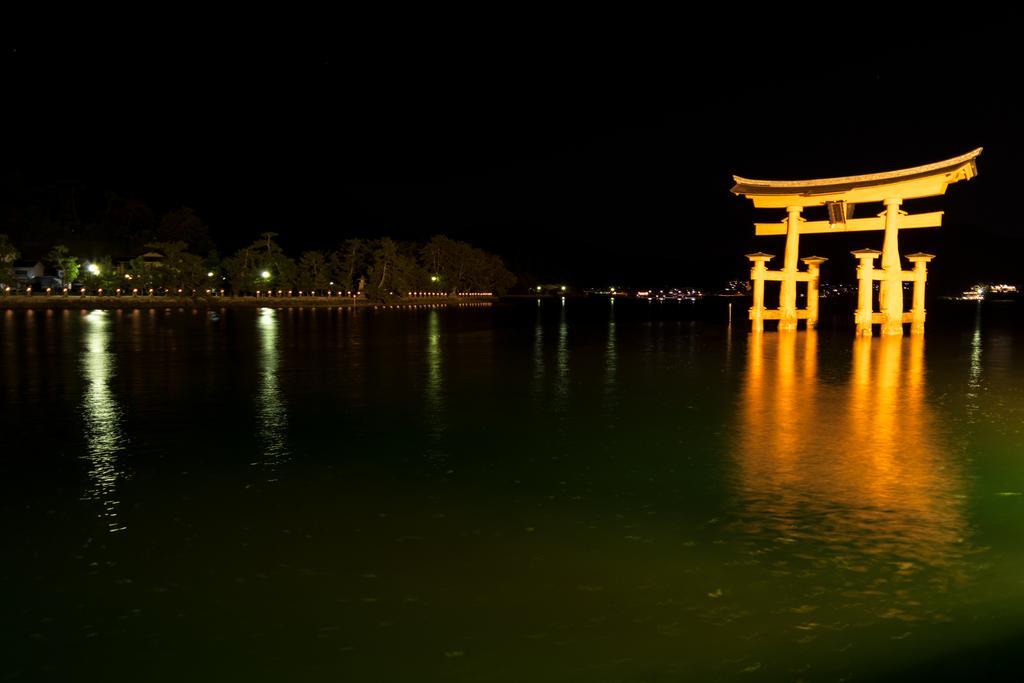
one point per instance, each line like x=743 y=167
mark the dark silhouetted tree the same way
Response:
x=8 y=253
x=184 y=225
x=349 y=263
x=68 y=265
x=393 y=269
x=313 y=273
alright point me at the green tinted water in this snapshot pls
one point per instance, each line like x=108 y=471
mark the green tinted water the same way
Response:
x=506 y=493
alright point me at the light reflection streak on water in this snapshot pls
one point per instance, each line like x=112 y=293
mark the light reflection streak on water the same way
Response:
x=728 y=346
x=611 y=366
x=102 y=415
x=12 y=368
x=271 y=409
x=435 y=378
x=974 y=375
x=562 y=362
x=356 y=353
x=537 y=383
x=860 y=469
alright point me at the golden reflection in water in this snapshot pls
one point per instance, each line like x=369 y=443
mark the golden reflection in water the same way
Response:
x=435 y=378
x=271 y=409
x=105 y=439
x=858 y=466
x=728 y=346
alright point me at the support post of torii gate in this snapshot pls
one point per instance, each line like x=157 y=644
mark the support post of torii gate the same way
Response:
x=787 y=293
x=865 y=284
x=813 y=273
x=890 y=296
x=920 y=261
x=839 y=196
x=758 y=272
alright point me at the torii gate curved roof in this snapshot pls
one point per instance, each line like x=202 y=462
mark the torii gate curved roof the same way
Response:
x=909 y=183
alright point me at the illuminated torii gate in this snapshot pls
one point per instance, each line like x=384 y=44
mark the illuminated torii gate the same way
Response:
x=839 y=195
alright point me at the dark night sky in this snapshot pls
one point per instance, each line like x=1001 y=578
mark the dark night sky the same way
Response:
x=586 y=149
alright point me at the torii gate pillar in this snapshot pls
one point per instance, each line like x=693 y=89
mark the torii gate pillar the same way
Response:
x=787 y=294
x=920 y=275
x=758 y=273
x=865 y=279
x=813 y=276
x=890 y=296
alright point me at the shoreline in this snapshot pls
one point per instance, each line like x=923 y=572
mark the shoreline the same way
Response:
x=57 y=302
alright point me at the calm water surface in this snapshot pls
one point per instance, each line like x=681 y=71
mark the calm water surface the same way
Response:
x=507 y=493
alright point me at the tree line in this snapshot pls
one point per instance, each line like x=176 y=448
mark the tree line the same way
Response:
x=375 y=268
